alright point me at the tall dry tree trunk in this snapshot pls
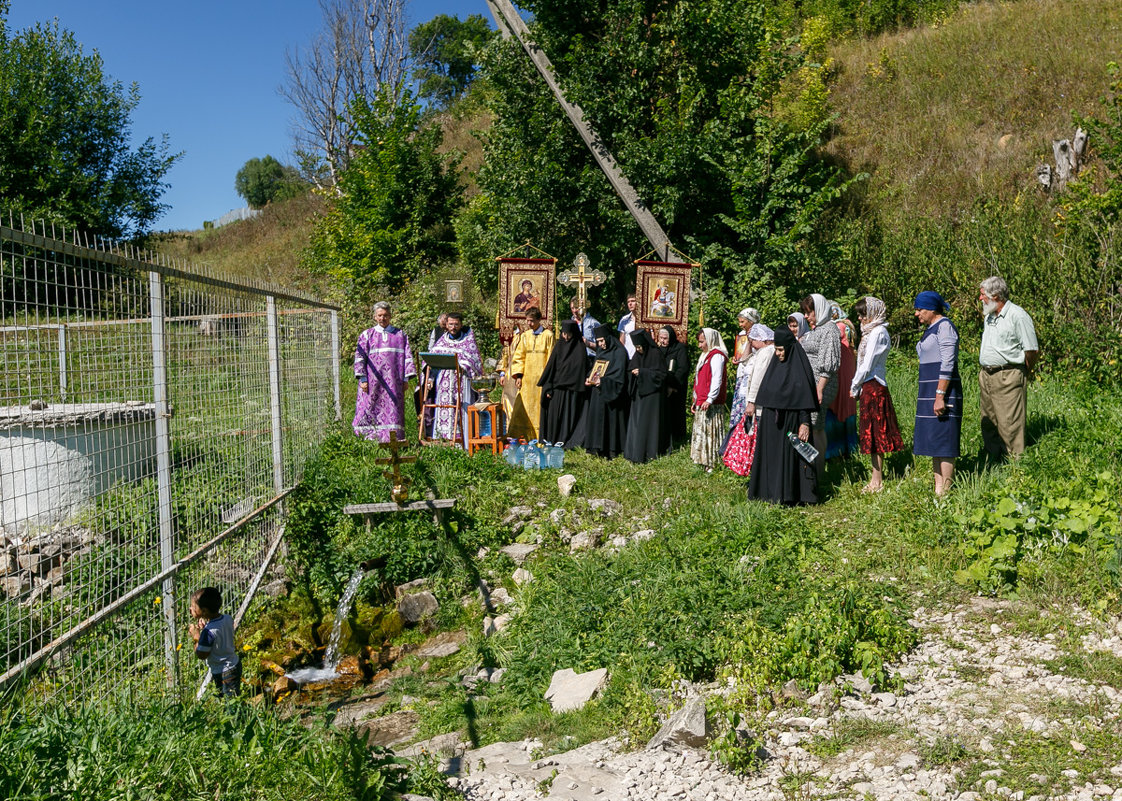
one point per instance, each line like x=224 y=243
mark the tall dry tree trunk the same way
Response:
x=361 y=50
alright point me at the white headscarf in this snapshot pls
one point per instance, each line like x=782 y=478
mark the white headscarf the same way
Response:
x=712 y=340
x=750 y=314
x=761 y=333
x=822 y=309
x=876 y=316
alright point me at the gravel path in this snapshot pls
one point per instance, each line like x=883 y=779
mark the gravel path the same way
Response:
x=986 y=713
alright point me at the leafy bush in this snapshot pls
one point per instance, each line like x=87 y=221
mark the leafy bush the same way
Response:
x=1084 y=522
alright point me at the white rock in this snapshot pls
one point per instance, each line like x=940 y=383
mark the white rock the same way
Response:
x=569 y=690
x=522 y=576
x=565 y=484
x=686 y=727
x=519 y=552
x=416 y=607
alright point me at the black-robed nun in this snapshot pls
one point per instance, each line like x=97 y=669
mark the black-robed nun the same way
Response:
x=564 y=393
x=785 y=400
x=646 y=375
x=605 y=430
x=677 y=382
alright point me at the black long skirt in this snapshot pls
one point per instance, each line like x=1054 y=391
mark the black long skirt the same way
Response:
x=605 y=425
x=644 y=430
x=779 y=474
x=562 y=418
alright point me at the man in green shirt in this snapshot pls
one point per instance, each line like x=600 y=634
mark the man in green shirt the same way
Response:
x=1009 y=352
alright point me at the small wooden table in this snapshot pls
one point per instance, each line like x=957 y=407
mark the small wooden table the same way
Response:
x=476 y=414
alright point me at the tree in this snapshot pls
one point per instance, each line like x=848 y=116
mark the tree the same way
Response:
x=445 y=51
x=65 y=132
x=396 y=199
x=360 y=52
x=262 y=181
x=694 y=102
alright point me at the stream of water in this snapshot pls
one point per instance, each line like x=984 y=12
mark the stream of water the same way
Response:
x=331 y=656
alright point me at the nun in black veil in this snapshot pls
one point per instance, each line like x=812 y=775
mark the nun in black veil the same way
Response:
x=646 y=375
x=678 y=368
x=784 y=402
x=564 y=393
x=605 y=430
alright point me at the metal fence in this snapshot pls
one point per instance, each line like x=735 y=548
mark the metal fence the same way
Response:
x=152 y=419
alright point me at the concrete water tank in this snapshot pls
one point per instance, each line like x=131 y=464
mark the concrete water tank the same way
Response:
x=54 y=459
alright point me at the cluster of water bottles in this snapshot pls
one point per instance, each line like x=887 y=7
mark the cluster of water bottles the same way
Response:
x=534 y=455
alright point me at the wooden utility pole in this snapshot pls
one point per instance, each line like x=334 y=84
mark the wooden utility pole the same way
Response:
x=510 y=23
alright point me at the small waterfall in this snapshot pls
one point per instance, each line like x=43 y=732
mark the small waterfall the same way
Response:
x=331 y=656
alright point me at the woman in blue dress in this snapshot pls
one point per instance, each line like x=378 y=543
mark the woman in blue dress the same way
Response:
x=938 y=430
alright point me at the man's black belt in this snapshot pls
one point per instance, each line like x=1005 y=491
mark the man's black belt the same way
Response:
x=999 y=368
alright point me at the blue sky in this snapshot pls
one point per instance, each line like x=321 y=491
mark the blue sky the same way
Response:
x=208 y=73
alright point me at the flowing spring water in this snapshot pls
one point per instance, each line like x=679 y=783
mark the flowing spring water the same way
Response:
x=331 y=656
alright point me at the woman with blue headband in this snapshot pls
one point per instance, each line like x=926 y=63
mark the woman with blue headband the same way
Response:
x=938 y=430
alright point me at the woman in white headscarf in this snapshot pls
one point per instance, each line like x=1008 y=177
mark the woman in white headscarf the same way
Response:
x=710 y=391
x=743 y=356
x=822 y=345
x=879 y=431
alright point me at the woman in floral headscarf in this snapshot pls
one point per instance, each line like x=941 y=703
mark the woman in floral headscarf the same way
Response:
x=879 y=431
x=710 y=391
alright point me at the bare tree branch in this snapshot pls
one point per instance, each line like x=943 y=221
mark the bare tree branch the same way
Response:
x=361 y=50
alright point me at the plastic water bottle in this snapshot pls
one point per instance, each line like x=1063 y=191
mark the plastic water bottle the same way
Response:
x=513 y=454
x=555 y=459
x=532 y=456
x=803 y=449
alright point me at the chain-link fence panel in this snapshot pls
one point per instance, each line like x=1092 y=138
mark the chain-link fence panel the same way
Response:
x=152 y=418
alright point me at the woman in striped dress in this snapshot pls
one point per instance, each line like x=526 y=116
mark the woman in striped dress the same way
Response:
x=938 y=431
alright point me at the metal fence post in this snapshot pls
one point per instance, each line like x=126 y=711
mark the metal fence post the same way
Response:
x=62 y=361
x=335 y=364
x=275 y=393
x=163 y=467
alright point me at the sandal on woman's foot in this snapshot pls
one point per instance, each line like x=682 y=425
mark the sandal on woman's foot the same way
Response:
x=868 y=489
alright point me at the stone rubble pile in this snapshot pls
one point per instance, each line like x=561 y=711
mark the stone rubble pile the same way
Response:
x=34 y=566
x=974 y=683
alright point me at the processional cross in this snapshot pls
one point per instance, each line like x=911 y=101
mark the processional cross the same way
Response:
x=400 y=483
x=581 y=279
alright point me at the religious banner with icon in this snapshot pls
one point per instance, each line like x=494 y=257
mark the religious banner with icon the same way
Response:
x=524 y=284
x=664 y=296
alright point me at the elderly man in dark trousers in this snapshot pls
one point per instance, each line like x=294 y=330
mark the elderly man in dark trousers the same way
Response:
x=1008 y=354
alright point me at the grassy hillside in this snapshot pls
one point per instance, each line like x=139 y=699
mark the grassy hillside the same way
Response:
x=945 y=114
x=267 y=248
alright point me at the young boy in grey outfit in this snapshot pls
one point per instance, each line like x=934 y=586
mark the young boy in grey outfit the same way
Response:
x=213 y=633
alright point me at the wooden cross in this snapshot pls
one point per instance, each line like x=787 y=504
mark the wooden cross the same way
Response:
x=400 y=483
x=581 y=278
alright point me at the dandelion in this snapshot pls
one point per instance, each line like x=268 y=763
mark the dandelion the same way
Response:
x=157 y=601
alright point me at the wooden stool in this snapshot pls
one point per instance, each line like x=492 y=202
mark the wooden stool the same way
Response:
x=476 y=414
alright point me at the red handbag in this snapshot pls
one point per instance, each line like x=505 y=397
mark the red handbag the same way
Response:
x=741 y=448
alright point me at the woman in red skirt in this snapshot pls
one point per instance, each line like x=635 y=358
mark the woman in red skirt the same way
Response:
x=878 y=429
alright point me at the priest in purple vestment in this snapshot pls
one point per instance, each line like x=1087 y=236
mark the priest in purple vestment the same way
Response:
x=383 y=367
x=461 y=342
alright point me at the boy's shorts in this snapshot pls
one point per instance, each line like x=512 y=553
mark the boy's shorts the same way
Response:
x=228 y=683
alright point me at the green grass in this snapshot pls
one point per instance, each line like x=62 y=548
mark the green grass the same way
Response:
x=1097 y=667
x=850 y=733
x=945 y=113
x=193 y=751
x=727 y=588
